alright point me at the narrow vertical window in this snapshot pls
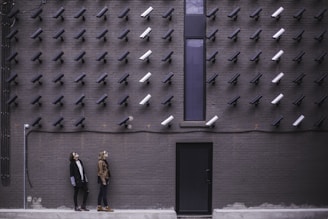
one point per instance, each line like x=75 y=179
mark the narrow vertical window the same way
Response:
x=194 y=6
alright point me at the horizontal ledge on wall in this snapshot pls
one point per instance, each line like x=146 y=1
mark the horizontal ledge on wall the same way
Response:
x=193 y=124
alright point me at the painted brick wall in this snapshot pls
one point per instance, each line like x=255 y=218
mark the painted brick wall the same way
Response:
x=253 y=161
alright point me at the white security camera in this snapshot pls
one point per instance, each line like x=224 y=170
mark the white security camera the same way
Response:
x=212 y=121
x=145 y=33
x=278 y=78
x=147 y=12
x=167 y=121
x=145 y=78
x=277 y=13
x=276 y=100
x=146 y=55
x=277 y=56
x=298 y=120
x=145 y=100
x=278 y=34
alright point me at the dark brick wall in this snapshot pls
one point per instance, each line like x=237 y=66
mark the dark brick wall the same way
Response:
x=253 y=161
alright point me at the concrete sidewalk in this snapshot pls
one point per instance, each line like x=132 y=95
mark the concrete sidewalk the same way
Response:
x=92 y=214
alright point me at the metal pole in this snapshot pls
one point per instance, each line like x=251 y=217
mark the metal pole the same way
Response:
x=26 y=126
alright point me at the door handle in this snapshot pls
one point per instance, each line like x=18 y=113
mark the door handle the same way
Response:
x=208 y=176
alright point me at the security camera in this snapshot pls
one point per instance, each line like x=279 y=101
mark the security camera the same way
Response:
x=277 y=56
x=145 y=100
x=234 y=34
x=298 y=120
x=146 y=33
x=146 y=55
x=256 y=14
x=234 y=13
x=125 y=122
x=168 y=35
x=278 y=34
x=256 y=57
x=102 y=13
x=277 y=79
x=59 y=13
x=168 y=78
x=212 y=121
x=146 y=13
x=256 y=35
x=124 y=14
x=276 y=100
x=167 y=121
x=37 y=34
x=145 y=78
x=277 y=13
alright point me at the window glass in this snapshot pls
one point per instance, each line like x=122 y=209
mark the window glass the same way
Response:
x=194 y=6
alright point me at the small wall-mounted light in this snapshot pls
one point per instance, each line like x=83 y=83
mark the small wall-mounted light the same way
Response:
x=277 y=13
x=299 y=57
x=168 y=57
x=12 y=57
x=58 y=122
x=146 y=56
x=59 y=57
x=124 y=14
x=102 y=13
x=319 y=59
x=124 y=57
x=145 y=100
x=124 y=79
x=234 y=34
x=145 y=78
x=167 y=78
x=211 y=122
x=80 y=56
x=234 y=57
x=168 y=100
x=299 y=79
x=37 y=14
x=320 y=79
x=299 y=100
x=80 y=78
x=299 y=36
x=168 y=14
x=234 y=13
x=146 y=34
x=102 y=79
x=37 y=122
x=234 y=79
x=59 y=13
x=37 y=100
x=102 y=34
x=298 y=121
x=256 y=79
x=321 y=14
x=256 y=35
x=124 y=100
x=146 y=13
x=320 y=101
x=37 y=34
x=12 y=100
x=12 y=34
x=276 y=100
x=212 y=35
x=59 y=34
x=212 y=13
x=320 y=121
x=80 y=13
x=80 y=100
x=277 y=56
x=212 y=57
x=321 y=36
x=80 y=122
x=59 y=100
x=58 y=78
x=277 y=121
x=37 y=57
x=234 y=101
x=168 y=34
x=256 y=14
x=278 y=34
x=125 y=122
x=80 y=34
x=298 y=16
x=12 y=79
x=102 y=57
x=124 y=35
x=256 y=57
x=211 y=80
x=255 y=101
x=276 y=80
x=102 y=100
x=37 y=79
x=168 y=121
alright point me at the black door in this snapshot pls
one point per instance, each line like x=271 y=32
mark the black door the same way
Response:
x=194 y=178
